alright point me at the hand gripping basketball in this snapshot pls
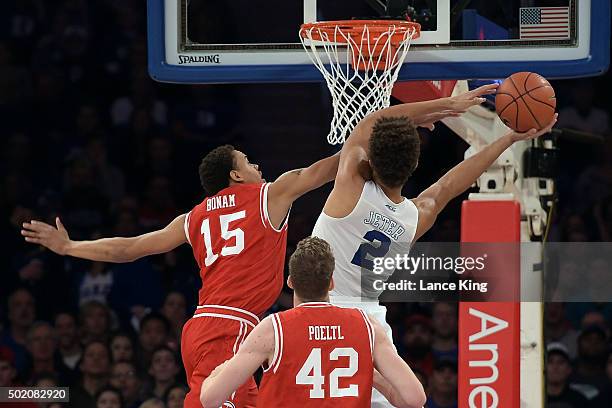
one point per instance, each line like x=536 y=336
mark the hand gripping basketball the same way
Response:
x=534 y=133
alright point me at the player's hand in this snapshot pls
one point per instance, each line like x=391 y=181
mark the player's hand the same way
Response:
x=55 y=238
x=428 y=121
x=533 y=133
x=472 y=98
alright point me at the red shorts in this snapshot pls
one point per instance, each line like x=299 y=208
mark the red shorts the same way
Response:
x=210 y=337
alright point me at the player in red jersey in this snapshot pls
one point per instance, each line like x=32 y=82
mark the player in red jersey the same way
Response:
x=317 y=354
x=238 y=235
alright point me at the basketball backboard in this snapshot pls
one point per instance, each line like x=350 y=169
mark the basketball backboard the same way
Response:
x=207 y=41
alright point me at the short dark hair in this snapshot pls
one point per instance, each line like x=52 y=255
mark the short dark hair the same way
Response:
x=88 y=345
x=133 y=364
x=394 y=150
x=593 y=329
x=311 y=267
x=445 y=362
x=110 y=389
x=93 y=342
x=45 y=376
x=155 y=316
x=67 y=313
x=18 y=289
x=173 y=387
x=122 y=333
x=215 y=168
x=166 y=349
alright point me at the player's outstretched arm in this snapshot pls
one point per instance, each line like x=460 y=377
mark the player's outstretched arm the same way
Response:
x=353 y=170
x=293 y=184
x=392 y=376
x=106 y=249
x=433 y=200
x=423 y=114
x=227 y=377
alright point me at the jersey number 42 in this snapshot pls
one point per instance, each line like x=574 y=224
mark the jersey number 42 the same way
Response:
x=311 y=373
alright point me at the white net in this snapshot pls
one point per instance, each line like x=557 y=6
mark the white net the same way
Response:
x=359 y=69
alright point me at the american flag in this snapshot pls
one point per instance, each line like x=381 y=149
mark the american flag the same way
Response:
x=544 y=22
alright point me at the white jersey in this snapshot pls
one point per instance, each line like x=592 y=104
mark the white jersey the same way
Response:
x=376 y=228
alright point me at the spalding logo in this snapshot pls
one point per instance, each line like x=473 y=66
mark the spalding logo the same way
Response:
x=199 y=59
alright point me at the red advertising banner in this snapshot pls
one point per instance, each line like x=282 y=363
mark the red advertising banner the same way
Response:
x=489 y=332
x=489 y=355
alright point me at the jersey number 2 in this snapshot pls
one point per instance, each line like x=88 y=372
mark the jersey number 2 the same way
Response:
x=374 y=251
x=316 y=379
x=226 y=234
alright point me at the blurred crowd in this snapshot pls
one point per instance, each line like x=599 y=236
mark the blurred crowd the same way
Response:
x=90 y=137
x=579 y=356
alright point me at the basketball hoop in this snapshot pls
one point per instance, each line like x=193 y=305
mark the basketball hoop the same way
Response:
x=363 y=60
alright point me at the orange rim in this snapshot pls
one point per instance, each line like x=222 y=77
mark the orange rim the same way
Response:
x=351 y=28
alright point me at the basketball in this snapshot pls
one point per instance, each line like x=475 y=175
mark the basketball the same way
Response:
x=524 y=101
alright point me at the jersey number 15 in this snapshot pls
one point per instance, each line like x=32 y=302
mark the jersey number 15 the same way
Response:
x=226 y=234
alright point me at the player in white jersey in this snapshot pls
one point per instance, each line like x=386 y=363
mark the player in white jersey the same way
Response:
x=366 y=217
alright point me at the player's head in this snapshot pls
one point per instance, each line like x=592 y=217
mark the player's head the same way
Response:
x=394 y=150
x=310 y=270
x=225 y=166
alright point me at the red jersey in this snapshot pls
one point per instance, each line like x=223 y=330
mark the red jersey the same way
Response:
x=322 y=358
x=241 y=255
